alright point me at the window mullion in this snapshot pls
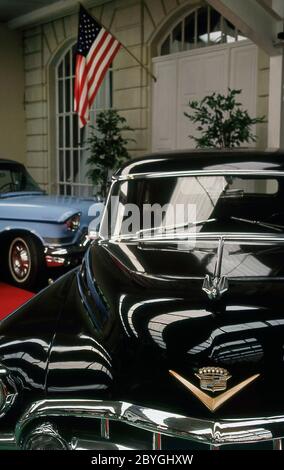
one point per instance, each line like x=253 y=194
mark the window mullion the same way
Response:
x=222 y=29
x=71 y=126
x=73 y=180
x=64 y=127
x=57 y=129
x=166 y=46
x=195 y=28
x=208 y=23
x=182 y=34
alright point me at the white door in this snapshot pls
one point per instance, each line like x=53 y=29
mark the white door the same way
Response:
x=193 y=75
x=165 y=105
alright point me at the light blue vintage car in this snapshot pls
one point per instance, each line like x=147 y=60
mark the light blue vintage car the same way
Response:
x=38 y=231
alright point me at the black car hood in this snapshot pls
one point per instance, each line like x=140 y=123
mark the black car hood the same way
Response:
x=170 y=323
x=27 y=334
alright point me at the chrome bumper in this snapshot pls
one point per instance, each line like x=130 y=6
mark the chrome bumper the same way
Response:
x=158 y=423
x=66 y=255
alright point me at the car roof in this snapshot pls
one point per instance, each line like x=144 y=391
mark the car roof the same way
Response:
x=203 y=160
x=6 y=160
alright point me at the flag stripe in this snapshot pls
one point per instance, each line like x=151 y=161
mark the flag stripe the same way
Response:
x=81 y=102
x=77 y=85
x=96 y=49
x=96 y=73
x=80 y=79
x=100 y=57
x=97 y=43
x=94 y=52
x=100 y=64
x=99 y=81
x=102 y=76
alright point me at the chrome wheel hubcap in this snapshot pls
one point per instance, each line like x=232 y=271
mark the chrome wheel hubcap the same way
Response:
x=19 y=260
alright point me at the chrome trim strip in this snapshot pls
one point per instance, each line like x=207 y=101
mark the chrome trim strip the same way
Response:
x=63 y=249
x=157 y=441
x=184 y=237
x=91 y=444
x=168 y=174
x=105 y=428
x=214 y=432
x=7 y=442
x=277 y=444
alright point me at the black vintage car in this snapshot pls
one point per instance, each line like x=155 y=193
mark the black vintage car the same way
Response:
x=171 y=334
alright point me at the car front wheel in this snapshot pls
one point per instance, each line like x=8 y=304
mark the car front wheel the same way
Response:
x=25 y=261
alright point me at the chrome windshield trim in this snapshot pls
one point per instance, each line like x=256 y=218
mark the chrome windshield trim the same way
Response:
x=212 y=432
x=185 y=237
x=168 y=174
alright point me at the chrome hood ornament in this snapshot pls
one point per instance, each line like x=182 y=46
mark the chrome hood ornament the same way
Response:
x=213 y=379
x=215 y=287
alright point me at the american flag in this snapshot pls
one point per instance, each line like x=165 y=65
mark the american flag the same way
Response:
x=96 y=49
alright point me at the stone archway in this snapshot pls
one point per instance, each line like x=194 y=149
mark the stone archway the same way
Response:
x=261 y=81
x=201 y=53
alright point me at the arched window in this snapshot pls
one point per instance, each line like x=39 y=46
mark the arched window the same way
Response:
x=71 y=146
x=202 y=28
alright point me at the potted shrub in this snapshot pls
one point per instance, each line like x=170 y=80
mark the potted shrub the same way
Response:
x=108 y=148
x=221 y=121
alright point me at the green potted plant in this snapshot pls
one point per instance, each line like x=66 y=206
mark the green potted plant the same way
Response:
x=108 y=148
x=221 y=121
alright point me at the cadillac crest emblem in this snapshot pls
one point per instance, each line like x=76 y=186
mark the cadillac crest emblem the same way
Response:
x=213 y=379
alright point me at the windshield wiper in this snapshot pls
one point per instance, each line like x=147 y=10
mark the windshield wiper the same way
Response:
x=232 y=193
x=276 y=227
x=169 y=228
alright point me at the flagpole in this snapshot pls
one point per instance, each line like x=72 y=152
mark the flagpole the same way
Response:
x=127 y=50
x=140 y=63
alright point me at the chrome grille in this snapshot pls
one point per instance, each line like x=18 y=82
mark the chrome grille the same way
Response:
x=162 y=427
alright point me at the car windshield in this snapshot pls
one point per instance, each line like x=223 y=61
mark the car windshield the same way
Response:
x=15 y=178
x=193 y=204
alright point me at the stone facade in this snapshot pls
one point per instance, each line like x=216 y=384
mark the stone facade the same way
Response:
x=12 y=113
x=139 y=25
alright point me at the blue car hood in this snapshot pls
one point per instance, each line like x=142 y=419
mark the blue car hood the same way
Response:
x=45 y=208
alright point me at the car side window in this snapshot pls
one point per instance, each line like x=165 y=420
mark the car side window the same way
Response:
x=6 y=182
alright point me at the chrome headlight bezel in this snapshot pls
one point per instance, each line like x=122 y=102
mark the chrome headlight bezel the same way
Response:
x=74 y=222
x=42 y=437
x=8 y=390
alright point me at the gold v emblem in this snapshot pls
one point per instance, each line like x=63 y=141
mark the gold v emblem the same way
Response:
x=213 y=403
